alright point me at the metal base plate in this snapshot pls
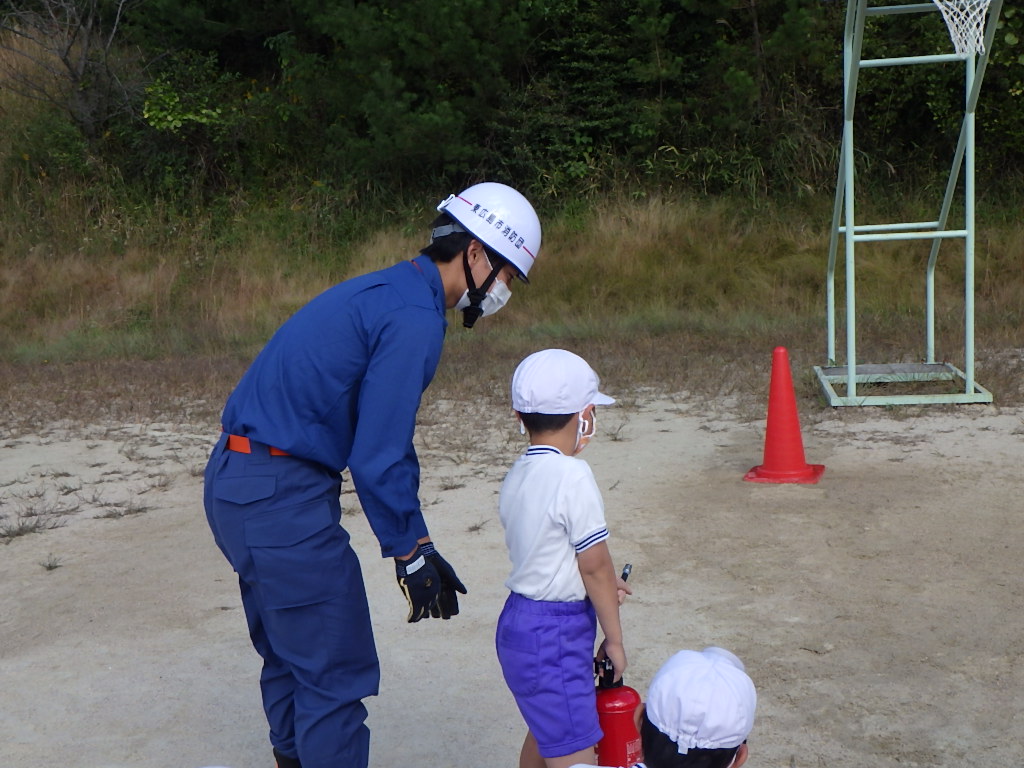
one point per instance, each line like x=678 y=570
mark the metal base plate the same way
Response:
x=897 y=373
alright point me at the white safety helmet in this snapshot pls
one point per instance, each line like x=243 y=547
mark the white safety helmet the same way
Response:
x=500 y=218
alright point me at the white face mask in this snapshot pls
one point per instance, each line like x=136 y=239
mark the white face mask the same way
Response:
x=583 y=435
x=495 y=299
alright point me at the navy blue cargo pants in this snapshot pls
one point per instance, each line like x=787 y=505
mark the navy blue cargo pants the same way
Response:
x=276 y=519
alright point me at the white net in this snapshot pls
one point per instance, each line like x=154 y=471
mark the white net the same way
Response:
x=966 y=22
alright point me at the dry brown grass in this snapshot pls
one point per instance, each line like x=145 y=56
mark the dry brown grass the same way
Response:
x=472 y=369
x=681 y=254
x=173 y=390
x=54 y=293
x=680 y=295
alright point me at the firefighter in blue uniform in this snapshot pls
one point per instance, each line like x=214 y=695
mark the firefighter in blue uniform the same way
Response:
x=339 y=386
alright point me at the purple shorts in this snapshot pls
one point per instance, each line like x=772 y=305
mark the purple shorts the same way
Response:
x=546 y=652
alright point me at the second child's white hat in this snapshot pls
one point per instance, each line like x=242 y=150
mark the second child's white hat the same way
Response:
x=555 y=381
x=704 y=700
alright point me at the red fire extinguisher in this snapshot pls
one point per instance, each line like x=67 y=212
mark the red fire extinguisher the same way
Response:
x=616 y=710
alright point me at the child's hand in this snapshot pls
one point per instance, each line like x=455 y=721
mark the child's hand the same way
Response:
x=623 y=589
x=616 y=653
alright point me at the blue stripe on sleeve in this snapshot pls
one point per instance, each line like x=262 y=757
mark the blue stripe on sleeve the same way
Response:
x=595 y=538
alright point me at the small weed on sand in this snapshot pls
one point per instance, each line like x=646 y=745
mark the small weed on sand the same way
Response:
x=51 y=563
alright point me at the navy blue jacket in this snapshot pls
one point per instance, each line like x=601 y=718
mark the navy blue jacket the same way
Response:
x=340 y=384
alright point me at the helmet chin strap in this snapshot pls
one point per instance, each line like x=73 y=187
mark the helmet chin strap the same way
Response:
x=474 y=311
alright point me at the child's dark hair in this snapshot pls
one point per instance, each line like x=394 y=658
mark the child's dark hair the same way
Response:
x=661 y=752
x=545 y=422
x=444 y=249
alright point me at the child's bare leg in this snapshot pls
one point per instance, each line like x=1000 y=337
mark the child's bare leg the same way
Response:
x=584 y=756
x=529 y=756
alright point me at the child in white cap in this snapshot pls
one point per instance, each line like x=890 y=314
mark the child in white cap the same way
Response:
x=562 y=581
x=699 y=712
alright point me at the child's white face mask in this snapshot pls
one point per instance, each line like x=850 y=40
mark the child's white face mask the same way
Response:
x=586 y=429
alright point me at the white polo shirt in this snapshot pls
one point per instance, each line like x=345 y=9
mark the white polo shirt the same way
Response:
x=552 y=510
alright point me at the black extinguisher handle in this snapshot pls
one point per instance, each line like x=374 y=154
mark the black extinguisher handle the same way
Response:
x=604 y=669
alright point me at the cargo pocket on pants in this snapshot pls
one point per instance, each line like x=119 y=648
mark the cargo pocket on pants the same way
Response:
x=298 y=555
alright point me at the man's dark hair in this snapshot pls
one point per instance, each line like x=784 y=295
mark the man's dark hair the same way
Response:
x=444 y=249
x=661 y=752
x=545 y=422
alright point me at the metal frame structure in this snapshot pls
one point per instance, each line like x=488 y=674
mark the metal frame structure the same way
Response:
x=844 y=223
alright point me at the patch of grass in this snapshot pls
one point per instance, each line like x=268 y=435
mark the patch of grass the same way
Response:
x=614 y=431
x=93 y=498
x=117 y=510
x=132 y=453
x=451 y=484
x=38 y=492
x=121 y=391
x=672 y=293
x=51 y=562
x=23 y=522
x=477 y=527
x=160 y=481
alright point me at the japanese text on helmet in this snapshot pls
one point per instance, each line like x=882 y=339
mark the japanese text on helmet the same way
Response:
x=505 y=229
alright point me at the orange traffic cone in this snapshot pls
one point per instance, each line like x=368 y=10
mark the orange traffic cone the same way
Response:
x=783 y=447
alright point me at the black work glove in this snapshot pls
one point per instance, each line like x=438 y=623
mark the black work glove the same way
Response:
x=420 y=584
x=447 y=601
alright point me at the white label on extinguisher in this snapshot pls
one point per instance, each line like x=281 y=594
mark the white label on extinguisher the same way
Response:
x=634 y=752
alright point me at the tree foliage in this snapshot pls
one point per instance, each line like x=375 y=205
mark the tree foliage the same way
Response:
x=558 y=96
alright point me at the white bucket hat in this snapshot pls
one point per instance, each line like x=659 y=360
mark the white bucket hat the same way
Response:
x=555 y=381
x=702 y=700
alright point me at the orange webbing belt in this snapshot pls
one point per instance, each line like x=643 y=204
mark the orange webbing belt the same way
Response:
x=241 y=444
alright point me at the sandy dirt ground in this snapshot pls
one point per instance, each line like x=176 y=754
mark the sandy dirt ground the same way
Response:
x=879 y=611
